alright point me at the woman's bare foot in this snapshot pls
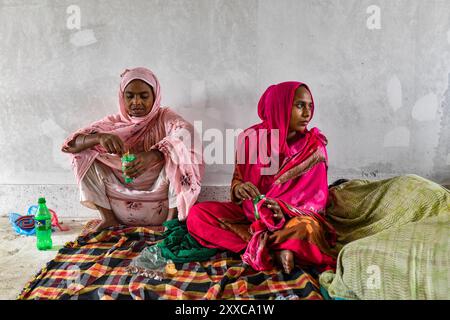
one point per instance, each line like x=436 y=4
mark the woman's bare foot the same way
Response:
x=286 y=259
x=263 y=241
x=110 y=222
x=108 y=219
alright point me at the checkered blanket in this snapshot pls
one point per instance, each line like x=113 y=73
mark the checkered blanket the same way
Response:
x=94 y=266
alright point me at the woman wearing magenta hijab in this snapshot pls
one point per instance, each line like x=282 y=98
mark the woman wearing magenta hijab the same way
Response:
x=168 y=168
x=288 y=225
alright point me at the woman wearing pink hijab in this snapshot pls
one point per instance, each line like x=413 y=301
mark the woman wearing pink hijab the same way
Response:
x=288 y=225
x=168 y=168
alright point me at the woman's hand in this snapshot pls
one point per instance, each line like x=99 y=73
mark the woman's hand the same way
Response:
x=275 y=207
x=143 y=161
x=246 y=190
x=112 y=143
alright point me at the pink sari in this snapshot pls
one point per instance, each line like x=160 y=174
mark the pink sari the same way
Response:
x=299 y=186
x=161 y=129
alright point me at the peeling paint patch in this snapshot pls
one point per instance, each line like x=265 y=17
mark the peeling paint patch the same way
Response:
x=425 y=108
x=398 y=137
x=83 y=38
x=57 y=134
x=394 y=93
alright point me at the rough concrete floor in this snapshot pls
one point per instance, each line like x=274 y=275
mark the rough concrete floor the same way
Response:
x=20 y=260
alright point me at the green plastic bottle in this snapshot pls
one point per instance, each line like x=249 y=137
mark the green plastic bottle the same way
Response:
x=43 y=225
x=127 y=158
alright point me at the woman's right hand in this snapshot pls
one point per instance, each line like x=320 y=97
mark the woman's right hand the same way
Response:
x=112 y=143
x=246 y=190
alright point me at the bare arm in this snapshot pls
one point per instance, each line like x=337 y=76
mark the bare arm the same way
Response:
x=241 y=190
x=84 y=141
x=112 y=143
x=236 y=181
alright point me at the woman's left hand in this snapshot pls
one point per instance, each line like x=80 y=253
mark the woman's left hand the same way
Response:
x=275 y=207
x=143 y=160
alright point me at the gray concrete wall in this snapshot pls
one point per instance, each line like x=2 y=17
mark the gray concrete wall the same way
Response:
x=64 y=199
x=382 y=94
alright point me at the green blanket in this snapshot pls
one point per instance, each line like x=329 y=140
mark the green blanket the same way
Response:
x=394 y=236
x=361 y=208
x=179 y=246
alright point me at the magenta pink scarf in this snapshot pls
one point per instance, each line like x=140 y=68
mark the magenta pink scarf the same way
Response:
x=161 y=129
x=300 y=185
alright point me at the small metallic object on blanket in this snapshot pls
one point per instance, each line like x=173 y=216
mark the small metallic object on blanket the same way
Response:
x=170 y=268
x=151 y=264
x=255 y=203
x=152 y=274
x=158 y=273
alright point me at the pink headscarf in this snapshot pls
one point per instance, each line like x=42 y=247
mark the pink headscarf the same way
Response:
x=274 y=109
x=130 y=129
x=154 y=130
x=300 y=186
x=148 y=77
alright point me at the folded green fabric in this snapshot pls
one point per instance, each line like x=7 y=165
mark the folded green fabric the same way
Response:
x=179 y=246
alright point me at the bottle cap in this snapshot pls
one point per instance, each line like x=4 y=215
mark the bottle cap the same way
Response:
x=41 y=200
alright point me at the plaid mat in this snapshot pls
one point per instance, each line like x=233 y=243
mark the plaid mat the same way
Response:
x=94 y=267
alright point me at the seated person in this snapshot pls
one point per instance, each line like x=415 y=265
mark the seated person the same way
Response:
x=288 y=225
x=167 y=170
